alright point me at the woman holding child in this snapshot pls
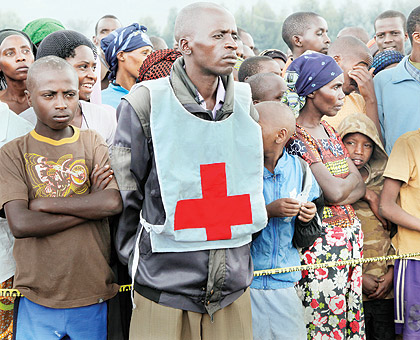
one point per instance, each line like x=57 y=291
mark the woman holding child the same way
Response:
x=332 y=297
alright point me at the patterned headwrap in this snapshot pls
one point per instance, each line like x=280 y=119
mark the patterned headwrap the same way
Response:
x=158 y=64
x=38 y=29
x=306 y=74
x=384 y=59
x=125 y=39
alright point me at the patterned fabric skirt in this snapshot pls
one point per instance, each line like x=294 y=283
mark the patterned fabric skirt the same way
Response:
x=6 y=312
x=332 y=297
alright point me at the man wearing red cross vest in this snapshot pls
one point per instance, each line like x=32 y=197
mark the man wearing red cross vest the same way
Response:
x=188 y=159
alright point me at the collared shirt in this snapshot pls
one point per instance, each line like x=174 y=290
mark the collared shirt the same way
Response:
x=220 y=98
x=398 y=102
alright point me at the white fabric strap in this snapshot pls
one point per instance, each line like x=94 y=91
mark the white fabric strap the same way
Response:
x=157 y=228
x=135 y=264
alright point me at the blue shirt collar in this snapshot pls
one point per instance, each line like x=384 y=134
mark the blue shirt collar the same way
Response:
x=281 y=164
x=400 y=73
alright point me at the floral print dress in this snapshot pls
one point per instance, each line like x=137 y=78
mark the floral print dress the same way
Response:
x=332 y=297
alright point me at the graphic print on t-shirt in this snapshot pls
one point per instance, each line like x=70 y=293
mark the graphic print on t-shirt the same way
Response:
x=65 y=177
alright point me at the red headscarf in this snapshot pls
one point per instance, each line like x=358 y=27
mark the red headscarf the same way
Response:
x=158 y=64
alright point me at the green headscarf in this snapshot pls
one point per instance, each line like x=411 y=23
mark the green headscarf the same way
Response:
x=38 y=29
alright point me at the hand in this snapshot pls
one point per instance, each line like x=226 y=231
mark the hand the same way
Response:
x=100 y=178
x=364 y=81
x=283 y=207
x=372 y=198
x=384 y=286
x=370 y=284
x=307 y=212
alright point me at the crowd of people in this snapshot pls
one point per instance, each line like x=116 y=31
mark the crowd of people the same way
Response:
x=182 y=170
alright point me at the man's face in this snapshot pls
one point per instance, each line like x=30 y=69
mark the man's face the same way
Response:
x=213 y=44
x=347 y=64
x=105 y=26
x=248 y=40
x=55 y=99
x=15 y=57
x=390 y=34
x=316 y=38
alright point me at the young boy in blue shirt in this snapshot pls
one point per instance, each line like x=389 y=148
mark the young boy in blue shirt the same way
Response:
x=289 y=189
x=60 y=192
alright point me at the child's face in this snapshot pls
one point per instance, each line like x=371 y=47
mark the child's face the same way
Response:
x=278 y=87
x=315 y=37
x=54 y=99
x=85 y=65
x=360 y=148
x=269 y=66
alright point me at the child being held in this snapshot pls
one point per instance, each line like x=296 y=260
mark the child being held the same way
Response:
x=362 y=141
x=289 y=189
x=59 y=193
x=399 y=204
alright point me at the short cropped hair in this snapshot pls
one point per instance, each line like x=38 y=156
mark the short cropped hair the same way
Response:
x=251 y=66
x=348 y=45
x=50 y=63
x=413 y=22
x=296 y=24
x=391 y=14
x=258 y=84
x=108 y=16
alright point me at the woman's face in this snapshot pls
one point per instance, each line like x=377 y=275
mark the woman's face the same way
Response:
x=15 y=57
x=85 y=65
x=329 y=98
x=134 y=59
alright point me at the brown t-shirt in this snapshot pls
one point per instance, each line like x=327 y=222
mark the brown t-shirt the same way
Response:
x=70 y=268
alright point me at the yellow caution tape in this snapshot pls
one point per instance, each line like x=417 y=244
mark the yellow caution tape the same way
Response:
x=352 y=262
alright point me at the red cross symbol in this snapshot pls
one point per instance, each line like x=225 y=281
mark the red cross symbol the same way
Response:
x=216 y=211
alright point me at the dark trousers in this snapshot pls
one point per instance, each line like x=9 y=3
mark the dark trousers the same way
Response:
x=379 y=319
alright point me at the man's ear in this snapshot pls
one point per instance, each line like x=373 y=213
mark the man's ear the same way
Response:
x=121 y=56
x=416 y=37
x=95 y=41
x=297 y=40
x=184 y=46
x=255 y=101
x=338 y=59
x=311 y=95
x=28 y=97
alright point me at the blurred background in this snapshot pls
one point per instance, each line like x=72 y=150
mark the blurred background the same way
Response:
x=263 y=19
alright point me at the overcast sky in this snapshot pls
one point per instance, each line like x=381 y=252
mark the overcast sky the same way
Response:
x=128 y=11
x=85 y=13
